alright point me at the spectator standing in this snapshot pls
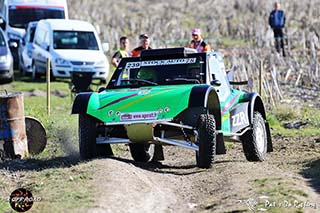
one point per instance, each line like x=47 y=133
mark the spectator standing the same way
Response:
x=197 y=42
x=122 y=52
x=144 y=45
x=277 y=21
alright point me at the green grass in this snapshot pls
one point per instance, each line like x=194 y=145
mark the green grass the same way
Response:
x=56 y=175
x=286 y=113
x=280 y=192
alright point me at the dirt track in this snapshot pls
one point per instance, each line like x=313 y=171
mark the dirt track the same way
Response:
x=288 y=177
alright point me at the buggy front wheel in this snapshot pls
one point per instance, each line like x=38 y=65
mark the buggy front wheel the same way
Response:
x=206 y=141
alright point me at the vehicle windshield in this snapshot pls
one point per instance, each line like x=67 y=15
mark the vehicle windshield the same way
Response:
x=20 y=16
x=159 y=72
x=74 y=40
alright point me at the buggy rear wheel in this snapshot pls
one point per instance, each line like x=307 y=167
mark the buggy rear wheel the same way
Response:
x=87 y=138
x=254 y=142
x=206 y=140
x=142 y=152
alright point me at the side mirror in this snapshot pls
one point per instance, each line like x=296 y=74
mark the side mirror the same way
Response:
x=2 y=23
x=215 y=83
x=105 y=47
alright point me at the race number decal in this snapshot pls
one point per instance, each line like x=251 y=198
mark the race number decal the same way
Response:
x=133 y=65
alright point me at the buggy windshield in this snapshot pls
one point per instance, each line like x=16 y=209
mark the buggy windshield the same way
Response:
x=159 y=72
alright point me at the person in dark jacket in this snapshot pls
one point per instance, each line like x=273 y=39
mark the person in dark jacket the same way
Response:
x=277 y=21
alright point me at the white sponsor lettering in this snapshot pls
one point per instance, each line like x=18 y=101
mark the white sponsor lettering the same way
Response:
x=135 y=65
x=138 y=116
x=239 y=119
x=168 y=62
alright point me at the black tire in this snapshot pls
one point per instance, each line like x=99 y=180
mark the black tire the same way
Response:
x=254 y=142
x=87 y=138
x=141 y=152
x=206 y=141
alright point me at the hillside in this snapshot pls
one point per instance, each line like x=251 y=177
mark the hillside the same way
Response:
x=240 y=27
x=168 y=21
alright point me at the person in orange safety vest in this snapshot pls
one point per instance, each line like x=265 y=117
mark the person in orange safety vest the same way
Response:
x=198 y=43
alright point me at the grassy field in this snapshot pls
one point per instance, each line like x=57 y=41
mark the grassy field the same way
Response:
x=55 y=175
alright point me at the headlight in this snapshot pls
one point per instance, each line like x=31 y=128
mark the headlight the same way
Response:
x=61 y=61
x=4 y=58
x=14 y=36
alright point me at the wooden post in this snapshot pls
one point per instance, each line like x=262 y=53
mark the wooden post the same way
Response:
x=260 y=76
x=48 y=87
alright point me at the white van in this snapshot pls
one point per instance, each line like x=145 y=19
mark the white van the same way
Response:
x=71 y=46
x=16 y=14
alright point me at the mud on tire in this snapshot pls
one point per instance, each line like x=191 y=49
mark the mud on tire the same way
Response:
x=206 y=140
x=87 y=137
x=254 y=142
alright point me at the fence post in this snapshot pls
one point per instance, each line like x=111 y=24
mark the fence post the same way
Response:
x=48 y=87
x=260 y=76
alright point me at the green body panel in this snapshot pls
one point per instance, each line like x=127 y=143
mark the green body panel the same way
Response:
x=226 y=106
x=145 y=103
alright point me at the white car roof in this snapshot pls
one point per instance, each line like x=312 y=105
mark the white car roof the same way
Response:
x=69 y=25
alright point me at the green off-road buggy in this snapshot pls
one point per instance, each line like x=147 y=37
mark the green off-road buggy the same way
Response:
x=172 y=97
